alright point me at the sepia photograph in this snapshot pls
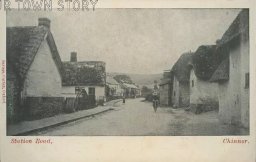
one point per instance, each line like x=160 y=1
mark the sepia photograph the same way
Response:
x=128 y=72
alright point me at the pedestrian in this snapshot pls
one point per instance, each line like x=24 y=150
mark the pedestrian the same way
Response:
x=123 y=98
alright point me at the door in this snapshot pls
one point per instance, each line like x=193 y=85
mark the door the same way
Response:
x=92 y=97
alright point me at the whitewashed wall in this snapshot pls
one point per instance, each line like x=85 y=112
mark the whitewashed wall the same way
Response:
x=175 y=92
x=230 y=92
x=245 y=68
x=202 y=91
x=69 y=91
x=43 y=77
x=234 y=96
x=184 y=94
x=118 y=90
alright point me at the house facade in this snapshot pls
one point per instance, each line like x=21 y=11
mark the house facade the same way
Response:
x=180 y=93
x=131 y=90
x=113 y=88
x=180 y=81
x=203 y=93
x=165 y=89
x=232 y=74
x=33 y=64
x=88 y=76
x=165 y=92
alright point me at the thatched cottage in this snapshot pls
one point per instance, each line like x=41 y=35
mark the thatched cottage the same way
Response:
x=131 y=90
x=34 y=72
x=232 y=74
x=180 y=81
x=203 y=94
x=113 y=88
x=165 y=89
x=88 y=76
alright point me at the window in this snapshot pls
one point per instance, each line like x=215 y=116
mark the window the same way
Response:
x=91 y=91
x=247 y=80
x=173 y=93
x=192 y=83
x=77 y=90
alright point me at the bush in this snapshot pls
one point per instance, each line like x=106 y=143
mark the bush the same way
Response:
x=42 y=107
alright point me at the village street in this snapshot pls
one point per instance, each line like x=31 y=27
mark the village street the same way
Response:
x=137 y=117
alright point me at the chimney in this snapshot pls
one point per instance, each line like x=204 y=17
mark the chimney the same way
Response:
x=44 y=22
x=73 y=57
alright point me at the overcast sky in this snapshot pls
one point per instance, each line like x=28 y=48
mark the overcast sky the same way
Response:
x=131 y=40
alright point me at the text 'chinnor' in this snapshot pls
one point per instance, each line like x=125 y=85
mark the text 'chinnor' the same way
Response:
x=47 y=5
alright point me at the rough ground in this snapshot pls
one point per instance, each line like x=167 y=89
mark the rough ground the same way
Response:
x=137 y=118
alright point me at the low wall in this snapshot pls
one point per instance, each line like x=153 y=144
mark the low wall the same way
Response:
x=110 y=98
x=72 y=104
x=42 y=107
x=204 y=106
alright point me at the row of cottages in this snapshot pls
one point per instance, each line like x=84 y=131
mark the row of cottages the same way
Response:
x=187 y=83
x=215 y=77
x=38 y=82
x=180 y=81
x=131 y=90
x=113 y=88
x=203 y=93
x=84 y=76
x=232 y=74
x=33 y=63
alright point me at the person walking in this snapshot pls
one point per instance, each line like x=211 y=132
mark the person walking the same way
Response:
x=123 y=98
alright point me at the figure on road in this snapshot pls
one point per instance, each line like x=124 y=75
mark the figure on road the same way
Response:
x=155 y=96
x=123 y=98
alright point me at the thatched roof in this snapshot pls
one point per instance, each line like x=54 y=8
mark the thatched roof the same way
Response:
x=180 y=69
x=165 y=81
x=239 y=26
x=22 y=46
x=128 y=85
x=205 y=61
x=222 y=72
x=91 y=73
x=111 y=80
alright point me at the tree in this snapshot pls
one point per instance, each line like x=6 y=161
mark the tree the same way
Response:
x=123 y=79
x=145 y=91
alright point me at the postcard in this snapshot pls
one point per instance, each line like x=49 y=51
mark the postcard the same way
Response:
x=87 y=80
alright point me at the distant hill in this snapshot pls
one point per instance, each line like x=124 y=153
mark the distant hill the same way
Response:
x=142 y=79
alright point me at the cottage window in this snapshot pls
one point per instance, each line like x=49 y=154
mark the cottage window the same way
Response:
x=192 y=83
x=77 y=90
x=247 y=80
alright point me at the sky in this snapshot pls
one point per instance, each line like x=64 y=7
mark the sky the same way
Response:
x=139 y=41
